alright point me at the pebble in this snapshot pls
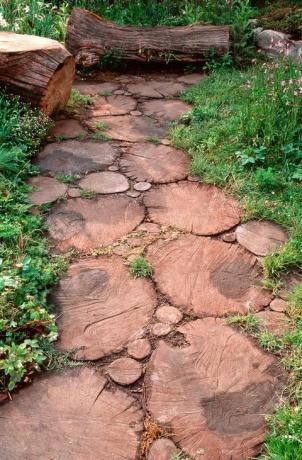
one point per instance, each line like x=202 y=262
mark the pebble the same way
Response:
x=139 y=349
x=136 y=113
x=149 y=227
x=133 y=194
x=142 y=186
x=278 y=305
x=124 y=371
x=166 y=142
x=74 y=193
x=113 y=168
x=161 y=329
x=229 y=237
x=162 y=449
x=169 y=315
x=193 y=178
x=119 y=92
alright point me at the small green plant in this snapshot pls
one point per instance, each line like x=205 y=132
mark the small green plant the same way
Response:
x=105 y=93
x=67 y=178
x=88 y=194
x=78 y=99
x=99 y=136
x=140 y=267
x=61 y=137
x=153 y=139
x=246 y=322
x=177 y=457
x=100 y=125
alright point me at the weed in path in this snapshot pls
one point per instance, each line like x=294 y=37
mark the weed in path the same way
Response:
x=140 y=267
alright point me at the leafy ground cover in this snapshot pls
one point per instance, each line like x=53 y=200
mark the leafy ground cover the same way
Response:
x=26 y=268
x=244 y=134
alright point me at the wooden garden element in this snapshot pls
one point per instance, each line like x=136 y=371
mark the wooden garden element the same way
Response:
x=90 y=37
x=39 y=70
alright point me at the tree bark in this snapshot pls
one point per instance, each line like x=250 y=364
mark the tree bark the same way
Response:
x=89 y=38
x=39 y=70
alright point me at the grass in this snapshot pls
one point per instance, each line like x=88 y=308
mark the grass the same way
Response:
x=27 y=270
x=140 y=268
x=77 y=99
x=153 y=140
x=244 y=134
x=68 y=178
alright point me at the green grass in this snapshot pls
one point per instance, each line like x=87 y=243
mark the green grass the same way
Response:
x=77 y=99
x=244 y=134
x=68 y=178
x=140 y=268
x=26 y=268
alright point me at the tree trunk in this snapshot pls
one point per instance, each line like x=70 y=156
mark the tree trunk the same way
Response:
x=89 y=38
x=39 y=70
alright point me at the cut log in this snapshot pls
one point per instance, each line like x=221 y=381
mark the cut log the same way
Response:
x=39 y=70
x=89 y=38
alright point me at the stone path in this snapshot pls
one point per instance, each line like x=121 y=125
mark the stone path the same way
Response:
x=160 y=372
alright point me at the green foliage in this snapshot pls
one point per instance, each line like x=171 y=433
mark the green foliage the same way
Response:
x=105 y=93
x=140 y=267
x=78 y=99
x=153 y=139
x=26 y=268
x=68 y=178
x=88 y=194
x=246 y=322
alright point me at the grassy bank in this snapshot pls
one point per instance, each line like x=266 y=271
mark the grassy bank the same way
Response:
x=244 y=134
x=26 y=268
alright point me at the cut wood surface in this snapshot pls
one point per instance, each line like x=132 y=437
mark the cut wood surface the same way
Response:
x=89 y=37
x=39 y=70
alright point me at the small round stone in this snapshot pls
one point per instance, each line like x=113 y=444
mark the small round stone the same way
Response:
x=47 y=190
x=113 y=168
x=74 y=193
x=278 y=305
x=162 y=449
x=161 y=329
x=169 y=315
x=124 y=371
x=193 y=178
x=135 y=113
x=166 y=142
x=133 y=194
x=119 y=92
x=142 y=186
x=105 y=182
x=229 y=237
x=139 y=349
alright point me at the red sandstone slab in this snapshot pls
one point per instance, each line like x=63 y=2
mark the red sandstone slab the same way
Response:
x=93 y=88
x=71 y=415
x=274 y=322
x=105 y=182
x=102 y=308
x=207 y=277
x=67 y=129
x=214 y=393
x=129 y=128
x=155 y=163
x=75 y=157
x=261 y=237
x=156 y=88
x=196 y=208
x=112 y=105
x=46 y=190
x=167 y=110
x=87 y=224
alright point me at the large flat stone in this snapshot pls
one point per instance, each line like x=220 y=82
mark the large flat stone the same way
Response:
x=155 y=163
x=105 y=182
x=47 y=190
x=196 y=208
x=87 y=224
x=129 y=128
x=207 y=277
x=67 y=129
x=261 y=237
x=75 y=157
x=71 y=415
x=94 y=88
x=156 y=88
x=214 y=393
x=101 y=307
x=166 y=110
x=112 y=105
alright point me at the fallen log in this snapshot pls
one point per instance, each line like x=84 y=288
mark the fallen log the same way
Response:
x=90 y=37
x=39 y=70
